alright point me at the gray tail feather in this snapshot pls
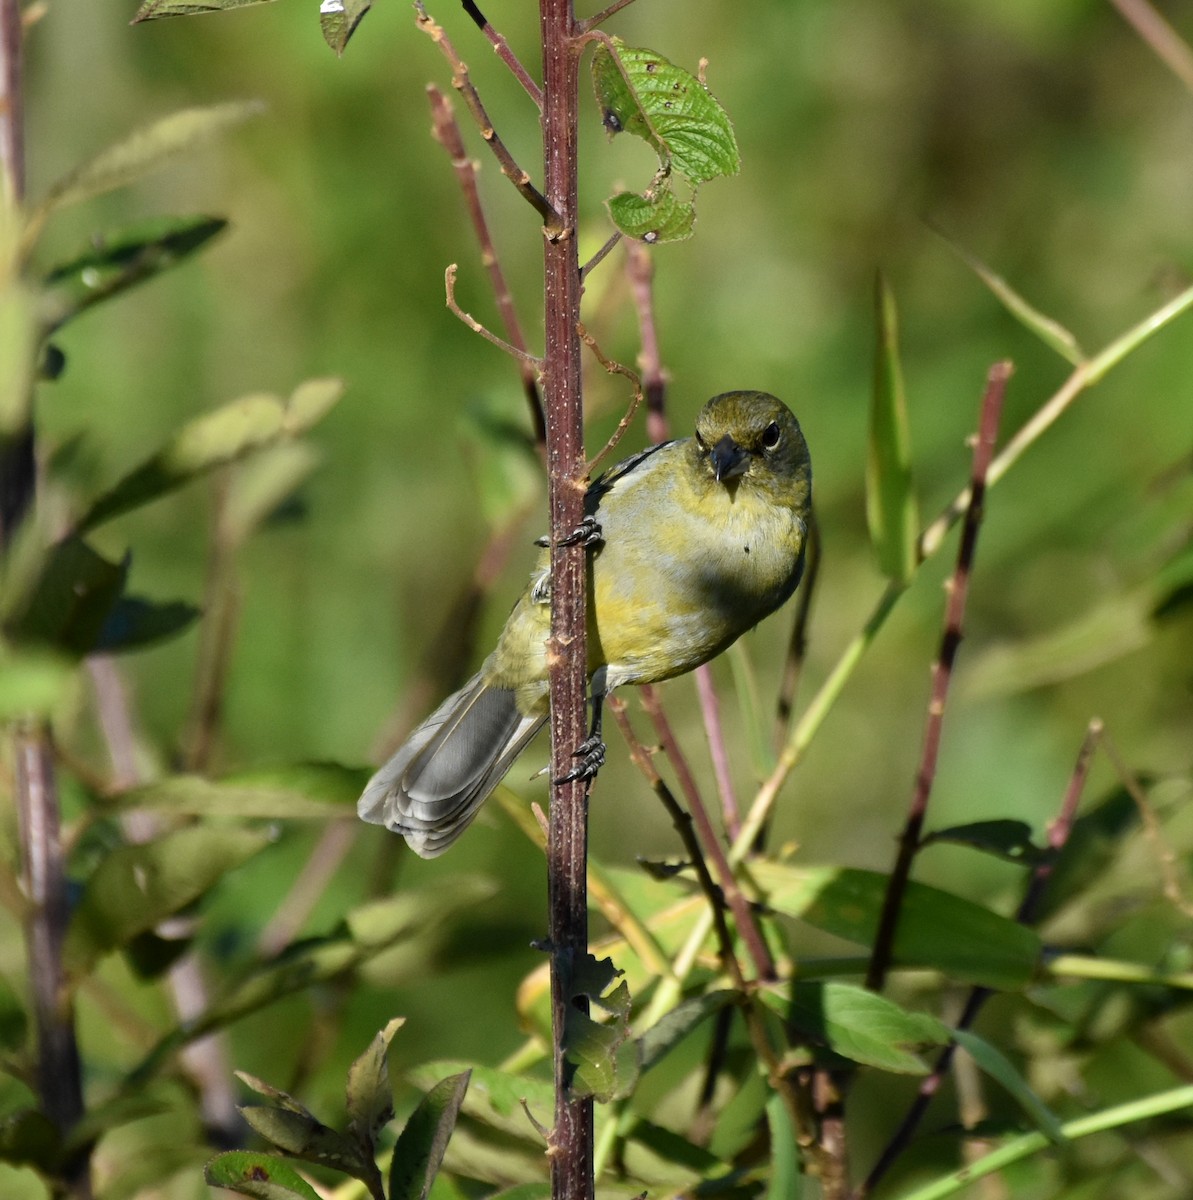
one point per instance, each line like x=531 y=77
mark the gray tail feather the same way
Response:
x=432 y=787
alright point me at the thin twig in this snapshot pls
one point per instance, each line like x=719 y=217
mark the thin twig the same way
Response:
x=1168 y=45
x=446 y=131
x=640 y=272
x=462 y=82
x=507 y=56
x=592 y=22
x=1058 y=836
x=449 y=283
x=614 y=368
x=710 y=708
x=610 y=242
x=797 y=647
x=942 y=672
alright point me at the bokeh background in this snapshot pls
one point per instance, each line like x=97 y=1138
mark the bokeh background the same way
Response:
x=1046 y=138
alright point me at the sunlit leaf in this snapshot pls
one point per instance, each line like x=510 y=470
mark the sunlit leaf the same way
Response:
x=370 y=1093
x=134 y=887
x=32 y=682
x=144 y=151
x=419 y=1150
x=259 y=1175
x=495 y=1097
x=213 y=440
x=890 y=494
x=339 y=18
x=936 y=929
x=996 y=1064
x=115 y=262
x=655 y=217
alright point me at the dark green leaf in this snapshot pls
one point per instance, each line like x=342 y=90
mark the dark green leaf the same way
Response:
x=144 y=151
x=667 y=1033
x=339 y=18
x=150 y=955
x=135 y=887
x=642 y=93
x=863 y=1026
x=302 y=1136
x=291 y=791
x=134 y=623
x=213 y=440
x=936 y=929
x=1003 y=838
x=67 y=603
x=116 y=262
x=422 y=1143
x=605 y=1060
x=995 y=1064
x=28 y=1137
x=370 y=1094
x=655 y=217
x=259 y=1175
x=890 y=495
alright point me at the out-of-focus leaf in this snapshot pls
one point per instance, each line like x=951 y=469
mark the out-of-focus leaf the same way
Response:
x=1002 y=838
x=996 y=1064
x=67 y=603
x=303 y=1136
x=30 y=1138
x=213 y=440
x=509 y=475
x=666 y=1034
x=18 y=356
x=641 y=93
x=151 y=10
x=150 y=955
x=120 y=1109
x=135 y=887
x=861 y=1025
x=13 y=1022
x=261 y=1176
x=605 y=1060
x=143 y=151
x=419 y=1150
x=495 y=1097
x=891 y=508
x=133 y=623
x=259 y=487
x=119 y=261
x=294 y=791
x=32 y=682
x=655 y=217
x=786 y=1179
x=661 y=1158
x=339 y=18
x=936 y=929
x=1050 y=332
x=370 y=1094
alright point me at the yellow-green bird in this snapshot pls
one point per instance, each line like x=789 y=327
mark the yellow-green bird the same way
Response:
x=693 y=542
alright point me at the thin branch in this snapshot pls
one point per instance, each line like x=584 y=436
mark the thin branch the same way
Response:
x=747 y=927
x=449 y=283
x=446 y=131
x=1058 y=836
x=590 y=23
x=462 y=82
x=600 y=255
x=507 y=56
x=797 y=647
x=942 y=672
x=613 y=368
x=640 y=272
x=1168 y=45
x=718 y=749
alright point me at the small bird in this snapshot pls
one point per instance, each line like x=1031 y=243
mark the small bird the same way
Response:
x=692 y=541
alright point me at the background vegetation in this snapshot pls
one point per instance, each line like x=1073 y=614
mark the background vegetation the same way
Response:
x=1045 y=138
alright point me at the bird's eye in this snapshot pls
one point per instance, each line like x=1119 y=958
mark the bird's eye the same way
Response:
x=770 y=436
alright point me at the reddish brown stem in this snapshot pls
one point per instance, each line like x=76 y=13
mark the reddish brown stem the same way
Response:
x=942 y=673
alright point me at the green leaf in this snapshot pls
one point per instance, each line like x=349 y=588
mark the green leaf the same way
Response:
x=1050 y=332
x=293 y=791
x=995 y=1064
x=890 y=494
x=1006 y=839
x=151 y=10
x=786 y=1179
x=261 y=486
x=259 y=1175
x=32 y=682
x=655 y=217
x=30 y=1138
x=66 y=602
x=213 y=440
x=135 y=887
x=115 y=262
x=370 y=1094
x=339 y=18
x=642 y=93
x=144 y=151
x=863 y=1026
x=303 y=1136
x=605 y=1060
x=133 y=623
x=422 y=1143
x=936 y=929
x=18 y=356
x=495 y=1097
x=666 y=1034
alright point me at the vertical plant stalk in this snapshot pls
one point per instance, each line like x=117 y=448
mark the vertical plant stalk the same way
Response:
x=942 y=673
x=567 y=843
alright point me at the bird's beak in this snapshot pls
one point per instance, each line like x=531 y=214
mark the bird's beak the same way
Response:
x=729 y=460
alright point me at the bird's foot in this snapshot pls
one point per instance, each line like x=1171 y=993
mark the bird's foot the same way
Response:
x=591 y=756
x=587 y=533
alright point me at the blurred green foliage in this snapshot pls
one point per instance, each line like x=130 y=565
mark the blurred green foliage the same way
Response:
x=1044 y=138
